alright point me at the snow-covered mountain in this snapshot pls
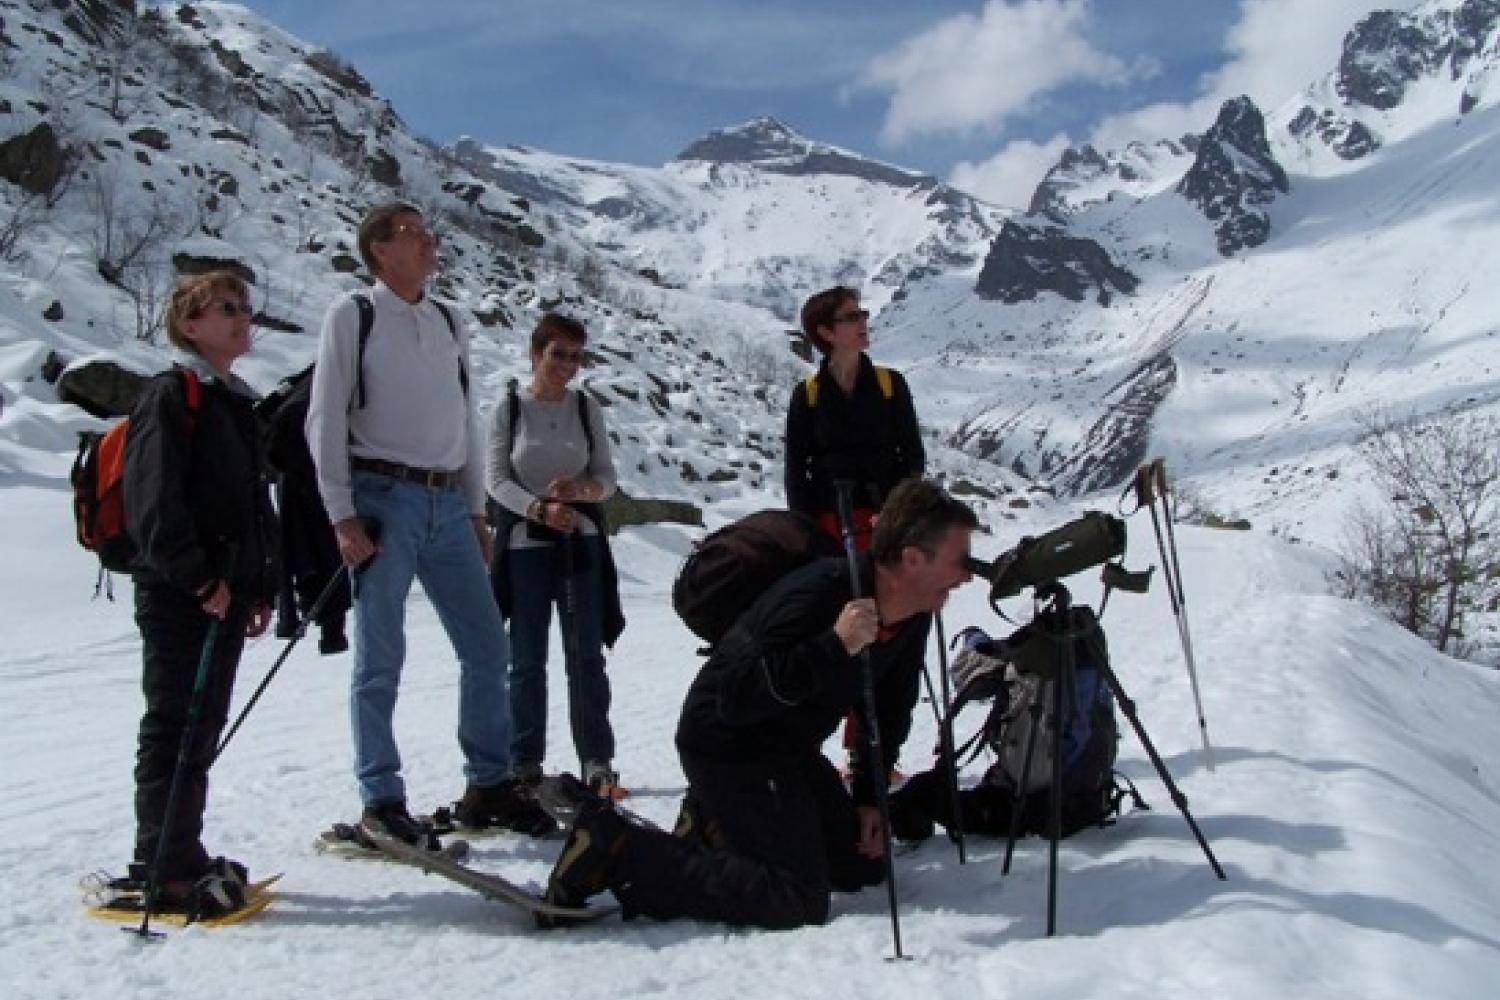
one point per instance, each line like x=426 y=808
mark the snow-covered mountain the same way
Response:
x=1231 y=299
x=1280 y=285
x=757 y=213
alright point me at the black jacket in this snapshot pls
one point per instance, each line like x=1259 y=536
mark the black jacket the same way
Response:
x=865 y=438
x=196 y=490
x=780 y=682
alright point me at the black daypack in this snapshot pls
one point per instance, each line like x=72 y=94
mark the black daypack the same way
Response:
x=734 y=565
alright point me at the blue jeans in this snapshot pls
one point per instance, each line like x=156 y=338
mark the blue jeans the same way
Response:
x=538 y=581
x=427 y=535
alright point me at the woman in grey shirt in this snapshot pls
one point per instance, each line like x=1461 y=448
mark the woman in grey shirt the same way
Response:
x=549 y=467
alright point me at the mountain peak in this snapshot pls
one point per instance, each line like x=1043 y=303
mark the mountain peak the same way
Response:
x=760 y=140
x=769 y=144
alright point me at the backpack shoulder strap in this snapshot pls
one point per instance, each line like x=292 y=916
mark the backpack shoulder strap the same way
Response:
x=463 y=375
x=583 y=418
x=513 y=402
x=366 y=324
x=885 y=381
x=810 y=386
x=192 y=392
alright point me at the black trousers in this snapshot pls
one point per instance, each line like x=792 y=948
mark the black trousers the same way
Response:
x=789 y=831
x=173 y=629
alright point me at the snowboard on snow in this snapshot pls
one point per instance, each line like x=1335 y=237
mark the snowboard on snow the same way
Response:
x=487 y=884
x=124 y=901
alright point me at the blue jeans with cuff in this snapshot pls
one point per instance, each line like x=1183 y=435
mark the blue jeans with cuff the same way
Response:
x=427 y=535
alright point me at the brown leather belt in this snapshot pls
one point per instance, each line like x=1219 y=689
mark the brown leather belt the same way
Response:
x=435 y=479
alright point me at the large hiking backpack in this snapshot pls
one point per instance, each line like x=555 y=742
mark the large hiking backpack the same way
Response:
x=1091 y=732
x=734 y=565
x=98 y=478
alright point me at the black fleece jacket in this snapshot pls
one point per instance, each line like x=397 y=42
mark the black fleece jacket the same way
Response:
x=780 y=682
x=196 y=489
x=872 y=441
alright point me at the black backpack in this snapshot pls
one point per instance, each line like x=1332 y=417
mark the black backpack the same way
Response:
x=1091 y=790
x=734 y=565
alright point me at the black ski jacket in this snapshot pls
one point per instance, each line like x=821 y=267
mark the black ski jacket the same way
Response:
x=196 y=489
x=865 y=438
x=780 y=682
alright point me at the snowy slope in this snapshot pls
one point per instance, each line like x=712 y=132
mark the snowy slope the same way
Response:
x=1353 y=808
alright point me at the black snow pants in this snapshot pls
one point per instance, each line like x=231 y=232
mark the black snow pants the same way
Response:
x=789 y=833
x=173 y=628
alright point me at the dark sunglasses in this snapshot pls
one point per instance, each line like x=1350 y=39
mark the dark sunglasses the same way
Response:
x=233 y=309
x=855 y=316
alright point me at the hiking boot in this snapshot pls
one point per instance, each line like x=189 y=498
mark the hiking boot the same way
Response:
x=587 y=860
x=392 y=819
x=207 y=897
x=529 y=774
x=694 y=826
x=509 y=805
x=602 y=779
x=229 y=869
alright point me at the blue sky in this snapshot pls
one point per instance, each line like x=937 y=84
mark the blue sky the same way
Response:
x=986 y=93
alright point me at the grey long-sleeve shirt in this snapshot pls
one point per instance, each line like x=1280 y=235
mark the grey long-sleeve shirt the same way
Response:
x=415 y=413
x=549 y=443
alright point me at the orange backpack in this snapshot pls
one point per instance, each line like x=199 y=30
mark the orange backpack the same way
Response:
x=99 y=489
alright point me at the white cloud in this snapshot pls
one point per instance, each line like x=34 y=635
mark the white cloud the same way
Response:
x=1274 y=49
x=970 y=73
x=1010 y=177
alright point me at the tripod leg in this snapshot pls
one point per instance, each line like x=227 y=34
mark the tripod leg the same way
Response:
x=945 y=740
x=1180 y=800
x=1062 y=702
x=1018 y=794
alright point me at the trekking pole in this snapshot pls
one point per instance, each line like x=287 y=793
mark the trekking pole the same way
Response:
x=945 y=742
x=302 y=627
x=1151 y=480
x=843 y=490
x=184 y=749
x=1064 y=700
x=569 y=617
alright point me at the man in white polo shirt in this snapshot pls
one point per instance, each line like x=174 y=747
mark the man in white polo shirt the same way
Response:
x=394 y=434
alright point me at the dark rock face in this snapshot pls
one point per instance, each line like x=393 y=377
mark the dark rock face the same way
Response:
x=1348 y=138
x=35 y=161
x=1025 y=261
x=100 y=387
x=186 y=264
x=384 y=168
x=1389 y=50
x=774 y=147
x=1234 y=175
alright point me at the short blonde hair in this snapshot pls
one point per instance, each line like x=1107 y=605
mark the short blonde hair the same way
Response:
x=192 y=296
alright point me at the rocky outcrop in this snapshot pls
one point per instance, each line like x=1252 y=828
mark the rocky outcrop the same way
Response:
x=623 y=510
x=1390 y=50
x=775 y=147
x=1025 y=261
x=34 y=161
x=100 y=387
x=1234 y=176
x=1349 y=138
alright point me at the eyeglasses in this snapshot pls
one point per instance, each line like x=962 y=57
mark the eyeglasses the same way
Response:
x=856 y=316
x=233 y=309
x=415 y=229
x=563 y=354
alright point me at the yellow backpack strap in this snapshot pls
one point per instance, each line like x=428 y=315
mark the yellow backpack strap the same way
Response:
x=810 y=385
x=887 y=386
